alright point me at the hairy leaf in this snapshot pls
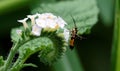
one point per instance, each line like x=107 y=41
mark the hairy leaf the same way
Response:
x=14 y=36
x=50 y=45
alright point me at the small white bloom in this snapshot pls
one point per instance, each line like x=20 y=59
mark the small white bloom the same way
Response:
x=51 y=23
x=51 y=16
x=36 y=30
x=47 y=16
x=61 y=22
x=49 y=20
x=32 y=17
x=41 y=23
x=24 y=22
x=19 y=32
x=66 y=34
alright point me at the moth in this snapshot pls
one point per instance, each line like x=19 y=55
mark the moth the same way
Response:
x=74 y=35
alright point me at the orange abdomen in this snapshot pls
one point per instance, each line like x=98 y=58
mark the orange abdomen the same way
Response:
x=72 y=42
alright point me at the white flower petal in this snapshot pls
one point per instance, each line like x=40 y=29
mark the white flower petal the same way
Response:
x=38 y=15
x=66 y=34
x=61 y=22
x=41 y=23
x=49 y=15
x=32 y=17
x=50 y=23
x=49 y=20
x=36 y=30
x=24 y=22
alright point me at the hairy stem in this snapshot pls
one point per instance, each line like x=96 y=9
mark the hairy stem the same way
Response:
x=20 y=62
x=11 y=56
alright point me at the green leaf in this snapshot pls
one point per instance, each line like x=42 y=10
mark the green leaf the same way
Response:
x=14 y=36
x=50 y=45
x=85 y=12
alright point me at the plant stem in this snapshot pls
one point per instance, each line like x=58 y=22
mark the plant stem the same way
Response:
x=20 y=61
x=116 y=39
x=11 y=56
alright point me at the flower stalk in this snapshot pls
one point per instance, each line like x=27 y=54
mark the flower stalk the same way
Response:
x=11 y=56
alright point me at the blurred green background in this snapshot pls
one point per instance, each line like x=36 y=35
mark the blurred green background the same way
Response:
x=94 y=53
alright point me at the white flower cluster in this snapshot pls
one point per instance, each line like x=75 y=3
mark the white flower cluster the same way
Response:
x=45 y=20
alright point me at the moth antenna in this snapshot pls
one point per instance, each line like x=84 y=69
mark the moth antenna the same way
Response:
x=74 y=21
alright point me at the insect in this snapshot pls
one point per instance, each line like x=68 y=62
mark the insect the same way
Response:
x=74 y=35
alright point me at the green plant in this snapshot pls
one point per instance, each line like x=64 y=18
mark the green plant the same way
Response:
x=49 y=41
